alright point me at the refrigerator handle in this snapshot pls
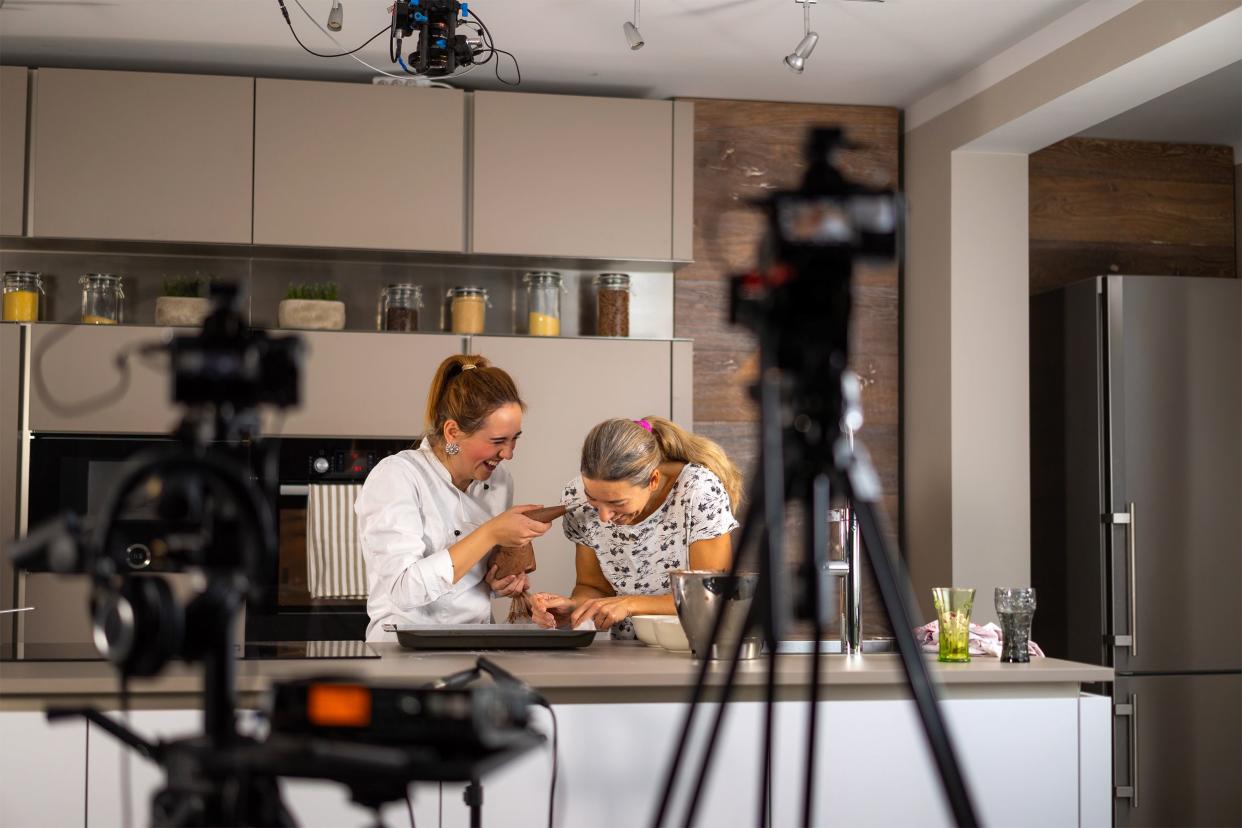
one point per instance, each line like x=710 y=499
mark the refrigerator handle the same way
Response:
x=1130 y=711
x=1127 y=518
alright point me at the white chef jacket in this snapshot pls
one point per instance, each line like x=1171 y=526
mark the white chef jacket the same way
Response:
x=409 y=514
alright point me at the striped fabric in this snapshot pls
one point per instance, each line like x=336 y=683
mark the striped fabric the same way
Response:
x=333 y=559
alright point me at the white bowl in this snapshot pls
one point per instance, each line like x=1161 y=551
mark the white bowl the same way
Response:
x=645 y=628
x=671 y=636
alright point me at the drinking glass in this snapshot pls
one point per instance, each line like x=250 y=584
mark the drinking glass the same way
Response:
x=1015 y=607
x=953 y=607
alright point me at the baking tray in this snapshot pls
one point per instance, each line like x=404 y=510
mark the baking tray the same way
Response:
x=488 y=637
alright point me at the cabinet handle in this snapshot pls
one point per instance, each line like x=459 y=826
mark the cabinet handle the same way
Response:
x=1130 y=711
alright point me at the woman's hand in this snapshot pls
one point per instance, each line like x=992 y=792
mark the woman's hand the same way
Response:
x=507 y=587
x=605 y=612
x=513 y=528
x=549 y=610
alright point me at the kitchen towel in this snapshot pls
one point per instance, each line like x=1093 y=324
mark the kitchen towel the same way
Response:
x=984 y=640
x=334 y=567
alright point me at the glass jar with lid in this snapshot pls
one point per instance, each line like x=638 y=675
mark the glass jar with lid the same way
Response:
x=612 y=304
x=543 y=303
x=23 y=293
x=399 y=307
x=467 y=309
x=103 y=299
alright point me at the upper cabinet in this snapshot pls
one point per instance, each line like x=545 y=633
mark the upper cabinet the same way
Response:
x=135 y=155
x=348 y=165
x=12 y=149
x=556 y=175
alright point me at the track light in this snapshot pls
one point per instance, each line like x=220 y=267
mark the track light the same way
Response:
x=796 y=60
x=632 y=35
x=336 y=16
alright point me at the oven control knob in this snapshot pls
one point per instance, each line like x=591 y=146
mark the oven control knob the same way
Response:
x=320 y=465
x=138 y=556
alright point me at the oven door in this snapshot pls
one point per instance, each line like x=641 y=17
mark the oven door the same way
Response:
x=296 y=609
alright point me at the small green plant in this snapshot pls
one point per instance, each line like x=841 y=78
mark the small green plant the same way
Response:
x=196 y=285
x=322 y=291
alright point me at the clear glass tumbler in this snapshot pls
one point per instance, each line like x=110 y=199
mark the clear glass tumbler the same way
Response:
x=953 y=608
x=1015 y=607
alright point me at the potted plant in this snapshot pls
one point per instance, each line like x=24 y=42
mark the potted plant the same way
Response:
x=184 y=303
x=312 y=306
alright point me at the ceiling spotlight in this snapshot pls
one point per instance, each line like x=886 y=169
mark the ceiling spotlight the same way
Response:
x=796 y=60
x=336 y=16
x=632 y=35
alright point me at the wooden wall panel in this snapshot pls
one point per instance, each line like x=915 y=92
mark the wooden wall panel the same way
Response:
x=744 y=150
x=1100 y=207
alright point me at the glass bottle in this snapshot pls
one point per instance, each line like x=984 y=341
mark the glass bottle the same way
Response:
x=612 y=304
x=102 y=299
x=399 y=307
x=543 y=303
x=23 y=291
x=467 y=309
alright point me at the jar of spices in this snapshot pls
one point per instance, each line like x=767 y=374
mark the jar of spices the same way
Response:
x=102 y=299
x=399 y=307
x=23 y=290
x=543 y=303
x=612 y=304
x=467 y=309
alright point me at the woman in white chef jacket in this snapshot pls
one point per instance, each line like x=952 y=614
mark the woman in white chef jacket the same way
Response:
x=428 y=517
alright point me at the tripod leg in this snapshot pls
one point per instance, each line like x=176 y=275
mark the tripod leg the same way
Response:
x=751 y=526
x=816 y=556
x=473 y=796
x=917 y=675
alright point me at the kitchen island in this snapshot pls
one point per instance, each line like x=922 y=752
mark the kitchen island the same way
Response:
x=1035 y=748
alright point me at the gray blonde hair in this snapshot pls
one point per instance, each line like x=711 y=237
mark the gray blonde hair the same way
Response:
x=621 y=450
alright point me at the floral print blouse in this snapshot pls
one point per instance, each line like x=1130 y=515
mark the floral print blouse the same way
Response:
x=637 y=559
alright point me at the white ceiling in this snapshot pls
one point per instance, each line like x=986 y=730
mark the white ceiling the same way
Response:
x=1205 y=111
x=889 y=53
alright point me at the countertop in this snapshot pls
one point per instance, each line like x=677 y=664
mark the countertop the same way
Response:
x=605 y=672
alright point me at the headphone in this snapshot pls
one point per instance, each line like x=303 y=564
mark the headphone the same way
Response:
x=138 y=624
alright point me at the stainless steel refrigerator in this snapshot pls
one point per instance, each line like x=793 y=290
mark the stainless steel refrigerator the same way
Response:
x=1136 y=541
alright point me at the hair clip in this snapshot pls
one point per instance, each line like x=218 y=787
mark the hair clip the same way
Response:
x=646 y=425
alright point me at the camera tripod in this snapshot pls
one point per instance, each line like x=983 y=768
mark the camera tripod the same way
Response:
x=800 y=304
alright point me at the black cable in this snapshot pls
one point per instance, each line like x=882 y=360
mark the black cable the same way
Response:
x=409 y=804
x=90 y=404
x=294 y=32
x=491 y=45
x=555 y=754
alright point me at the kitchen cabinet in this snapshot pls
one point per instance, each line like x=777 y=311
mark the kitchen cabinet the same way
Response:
x=42 y=770
x=12 y=149
x=10 y=463
x=558 y=175
x=569 y=385
x=365 y=384
x=353 y=165
x=145 y=156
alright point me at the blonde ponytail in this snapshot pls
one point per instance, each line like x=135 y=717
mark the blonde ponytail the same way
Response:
x=620 y=449
x=676 y=443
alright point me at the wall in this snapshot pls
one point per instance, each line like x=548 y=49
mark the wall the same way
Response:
x=1145 y=51
x=1100 y=206
x=1237 y=219
x=744 y=150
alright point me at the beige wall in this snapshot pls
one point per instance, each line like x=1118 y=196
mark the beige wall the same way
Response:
x=1237 y=216
x=965 y=515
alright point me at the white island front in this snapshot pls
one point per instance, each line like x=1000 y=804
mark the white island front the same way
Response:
x=1035 y=748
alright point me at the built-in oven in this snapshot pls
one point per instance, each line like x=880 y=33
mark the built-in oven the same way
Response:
x=316 y=588
x=318 y=576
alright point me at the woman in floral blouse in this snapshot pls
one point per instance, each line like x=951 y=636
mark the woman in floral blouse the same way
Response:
x=651 y=498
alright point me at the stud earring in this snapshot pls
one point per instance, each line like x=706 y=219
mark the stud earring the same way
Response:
x=451 y=449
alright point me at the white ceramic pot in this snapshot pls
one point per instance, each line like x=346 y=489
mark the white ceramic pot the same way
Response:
x=181 y=311
x=671 y=636
x=311 y=314
x=645 y=627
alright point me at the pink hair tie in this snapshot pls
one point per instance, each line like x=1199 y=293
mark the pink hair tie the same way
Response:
x=644 y=424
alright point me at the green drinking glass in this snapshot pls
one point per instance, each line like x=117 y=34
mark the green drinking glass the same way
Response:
x=953 y=616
